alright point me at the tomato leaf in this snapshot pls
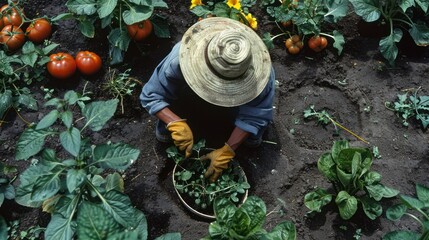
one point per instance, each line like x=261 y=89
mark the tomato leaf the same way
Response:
x=70 y=140
x=48 y=120
x=119 y=206
x=367 y=9
x=117 y=156
x=106 y=7
x=99 y=112
x=82 y=7
x=336 y=10
x=87 y=28
x=160 y=26
x=420 y=34
x=60 y=228
x=338 y=42
x=388 y=47
x=30 y=143
x=136 y=14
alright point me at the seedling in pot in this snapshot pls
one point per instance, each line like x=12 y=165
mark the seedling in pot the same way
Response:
x=189 y=179
x=348 y=169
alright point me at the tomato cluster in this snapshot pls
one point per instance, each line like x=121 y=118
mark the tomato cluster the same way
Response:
x=11 y=34
x=295 y=44
x=63 y=65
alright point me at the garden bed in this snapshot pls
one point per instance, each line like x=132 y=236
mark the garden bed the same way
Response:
x=353 y=88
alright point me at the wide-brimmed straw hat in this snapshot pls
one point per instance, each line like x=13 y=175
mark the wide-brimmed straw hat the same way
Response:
x=224 y=61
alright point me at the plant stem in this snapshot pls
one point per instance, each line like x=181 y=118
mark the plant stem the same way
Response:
x=347 y=130
x=415 y=218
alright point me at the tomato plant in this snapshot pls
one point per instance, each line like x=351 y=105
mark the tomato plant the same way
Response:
x=61 y=65
x=11 y=16
x=317 y=43
x=39 y=30
x=140 y=30
x=294 y=44
x=1 y=23
x=88 y=62
x=12 y=36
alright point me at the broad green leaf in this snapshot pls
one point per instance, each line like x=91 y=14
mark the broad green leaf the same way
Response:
x=45 y=187
x=5 y=102
x=117 y=156
x=160 y=26
x=405 y=4
x=396 y=212
x=337 y=147
x=98 y=113
x=48 y=154
x=27 y=100
x=67 y=118
x=170 y=236
x=215 y=230
x=75 y=178
x=249 y=217
x=136 y=14
x=371 y=208
x=141 y=224
x=48 y=120
x=388 y=47
x=82 y=7
x=411 y=202
x=29 y=59
x=119 y=206
x=336 y=10
x=423 y=4
x=379 y=191
x=119 y=38
x=87 y=28
x=326 y=166
x=356 y=162
x=283 y=231
x=27 y=182
x=159 y=4
x=106 y=7
x=345 y=178
x=67 y=205
x=422 y=193
x=62 y=16
x=224 y=210
x=420 y=34
x=368 y=9
x=372 y=178
x=116 y=54
x=317 y=199
x=114 y=181
x=3 y=228
x=70 y=139
x=401 y=235
x=71 y=97
x=60 y=228
x=50 y=204
x=95 y=222
x=129 y=235
x=347 y=205
x=30 y=143
x=338 y=41
x=200 y=10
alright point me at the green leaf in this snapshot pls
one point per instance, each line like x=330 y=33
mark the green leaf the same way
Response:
x=249 y=217
x=46 y=50
x=396 y=212
x=67 y=118
x=28 y=101
x=3 y=228
x=136 y=13
x=371 y=208
x=106 y=7
x=45 y=187
x=336 y=10
x=326 y=166
x=401 y=235
x=368 y=9
x=30 y=143
x=224 y=210
x=62 y=16
x=119 y=38
x=160 y=26
x=372 y=178
x=283 y=231
x=387 y=45
x=116 y=54
x=60 y=228
x=48 y=120
x=169 y=236
x=337 y=147
x=420 y=34
x=98 y=113
x=338 y=41
x=75 y=178
x=120 y=208
x=379 y=191
x=87 y=28
x=115 y=182
x=412 y=202
x=71 y=141
x=67 y=205
x=117 y=156
x=423 y=4
x=82 y=7
x=95 y=222
x=317 y=199
x=5 y=102
x=345 y=178
x=159 y=4
x=200 y=10
x=347 y=205
x=422 y=193
x=405 y=4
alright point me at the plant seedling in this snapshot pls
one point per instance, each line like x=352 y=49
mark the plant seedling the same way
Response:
x=417 y=209
x=348 y=169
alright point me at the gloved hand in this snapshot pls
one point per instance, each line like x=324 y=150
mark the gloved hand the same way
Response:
x=182 y=136
x=219 y=160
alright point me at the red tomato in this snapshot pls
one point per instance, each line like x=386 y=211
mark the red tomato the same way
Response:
x=39 y=30
x=61 y=65
x=88 y=62
x=11 y=16
x=141 y=30
x=294 y=44
x=1 y=23
x=12 y=36
x=317 y=43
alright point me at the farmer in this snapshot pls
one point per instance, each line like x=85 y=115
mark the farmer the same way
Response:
x=221 y=73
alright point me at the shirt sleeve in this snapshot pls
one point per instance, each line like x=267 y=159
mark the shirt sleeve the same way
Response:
x=258 y=113
x=164 y=84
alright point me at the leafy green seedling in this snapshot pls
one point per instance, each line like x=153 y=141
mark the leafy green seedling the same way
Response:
x=411 y=106
x=348 y=169
x=246 y=222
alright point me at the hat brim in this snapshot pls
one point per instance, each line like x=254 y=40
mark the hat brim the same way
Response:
x=207 y=84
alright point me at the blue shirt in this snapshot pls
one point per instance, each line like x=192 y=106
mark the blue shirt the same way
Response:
x=166 y=81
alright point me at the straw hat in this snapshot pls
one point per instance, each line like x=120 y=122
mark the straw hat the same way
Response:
x=224 y=61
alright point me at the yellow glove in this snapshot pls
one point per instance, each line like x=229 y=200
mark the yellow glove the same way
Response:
x=219 y=160
x=182 y=136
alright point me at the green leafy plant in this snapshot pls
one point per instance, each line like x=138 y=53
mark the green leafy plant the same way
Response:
x=7 y=191
x=415 y=208
x=115 y=16
x=411 y=107
x=310 y=18
x=246 y=222
x=398 y=15
x=68 y=184
x=31 y=233
x=120 y=85
x=18 y=71
x=348 y=169
x=190 y=181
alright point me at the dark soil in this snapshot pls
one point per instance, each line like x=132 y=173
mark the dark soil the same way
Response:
x=352 y=87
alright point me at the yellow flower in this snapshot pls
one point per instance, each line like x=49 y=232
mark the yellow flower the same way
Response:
x=252 y=21
x=195 y=3
x=234 y=4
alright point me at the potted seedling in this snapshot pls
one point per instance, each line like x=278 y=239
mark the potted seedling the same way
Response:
x=195 y=191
